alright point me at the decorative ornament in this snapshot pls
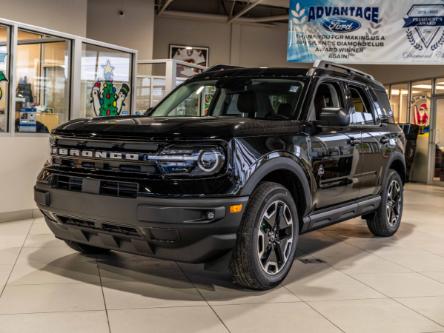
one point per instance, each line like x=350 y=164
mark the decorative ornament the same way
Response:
x=106 y=102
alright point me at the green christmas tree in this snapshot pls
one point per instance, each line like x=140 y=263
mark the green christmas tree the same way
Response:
x=106 y=101
x=2 y=78
x=108 y=106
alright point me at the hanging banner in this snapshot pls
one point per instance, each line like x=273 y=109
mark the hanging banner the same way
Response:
x=367 y=31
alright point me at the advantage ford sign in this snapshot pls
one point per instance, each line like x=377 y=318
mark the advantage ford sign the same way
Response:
x=339 y=24
x=366 y=31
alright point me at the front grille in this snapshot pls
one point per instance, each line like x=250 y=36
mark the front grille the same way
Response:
x=78 y=223
x=106 y=165
x=69 y=183
x=119 y=189
x=106 y=187
x=112 y=228
x=119 y=229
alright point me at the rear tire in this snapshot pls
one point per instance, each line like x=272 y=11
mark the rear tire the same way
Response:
x=267 y=238
x=387 y=218
x=86 y=249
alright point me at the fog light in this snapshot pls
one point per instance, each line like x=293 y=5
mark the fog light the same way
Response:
x=210 y=215
x=235 y=208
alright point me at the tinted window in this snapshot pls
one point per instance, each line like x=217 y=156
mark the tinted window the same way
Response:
x=382 y=104
x=328 y=95
x=361 y=112
x=238 y=97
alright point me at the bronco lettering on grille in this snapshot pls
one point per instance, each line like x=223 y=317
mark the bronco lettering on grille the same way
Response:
x=95 y=154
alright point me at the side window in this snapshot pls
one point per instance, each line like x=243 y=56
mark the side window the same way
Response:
x=360 y=112
x=328 y=95
x=383 y=103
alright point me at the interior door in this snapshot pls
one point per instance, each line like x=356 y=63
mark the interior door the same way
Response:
x=437 y=142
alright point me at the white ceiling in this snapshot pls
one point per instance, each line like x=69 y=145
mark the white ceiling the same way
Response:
x=276 y=3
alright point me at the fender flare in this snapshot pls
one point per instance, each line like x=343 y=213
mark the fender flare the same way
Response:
x=280 y=163
x=395 y=156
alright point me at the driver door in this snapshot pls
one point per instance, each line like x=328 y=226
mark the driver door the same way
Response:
x=334 y=152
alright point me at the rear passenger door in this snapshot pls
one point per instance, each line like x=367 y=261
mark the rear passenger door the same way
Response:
x=363 y=117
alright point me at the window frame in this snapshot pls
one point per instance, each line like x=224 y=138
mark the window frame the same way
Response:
x=70 y=53
x=8 y=128
x=131 y=76
x=74 y=72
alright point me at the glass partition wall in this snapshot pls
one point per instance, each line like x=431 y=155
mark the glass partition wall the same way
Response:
x=4 y=77
x=400 y=102
x=156 y=78
x=43 y=81
x=421 y=103
x=49 y=77
x=105 y=81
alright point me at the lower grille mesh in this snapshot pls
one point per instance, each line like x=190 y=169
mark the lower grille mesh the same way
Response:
x=112 y=228
x=112 y=188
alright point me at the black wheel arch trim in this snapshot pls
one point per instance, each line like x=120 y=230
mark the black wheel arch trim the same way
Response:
x=395 y=157
x=283 y=162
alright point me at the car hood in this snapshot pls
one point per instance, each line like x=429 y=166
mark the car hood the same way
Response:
x=176 y=128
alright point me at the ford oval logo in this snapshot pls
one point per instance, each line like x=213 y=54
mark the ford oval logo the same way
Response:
x=339 y=24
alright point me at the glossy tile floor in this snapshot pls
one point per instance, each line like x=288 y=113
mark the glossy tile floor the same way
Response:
x=354 y=283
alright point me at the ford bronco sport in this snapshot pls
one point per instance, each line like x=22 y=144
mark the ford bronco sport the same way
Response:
x=231 y=167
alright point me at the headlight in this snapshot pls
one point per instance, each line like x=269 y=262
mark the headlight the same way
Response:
x=191 y=161
x=209 y=160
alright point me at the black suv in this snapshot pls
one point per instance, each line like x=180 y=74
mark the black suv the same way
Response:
x=230 y=168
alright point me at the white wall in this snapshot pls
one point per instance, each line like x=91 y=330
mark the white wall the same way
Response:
x=237 y=44
x=133 y=29
x=257 y=45
x=63 y=15
x=22 y=159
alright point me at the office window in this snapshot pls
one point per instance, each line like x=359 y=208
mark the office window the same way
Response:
x=43 y=81
x=105 y=82
x=399 y=100
x=4 y=77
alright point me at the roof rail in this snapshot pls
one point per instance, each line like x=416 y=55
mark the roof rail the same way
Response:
x=328 y=65
x=217 y=68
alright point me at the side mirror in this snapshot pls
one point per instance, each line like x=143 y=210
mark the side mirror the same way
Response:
x=334 y=117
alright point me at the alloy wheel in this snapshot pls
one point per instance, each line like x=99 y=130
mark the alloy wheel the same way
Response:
x=275 y=237
x=394 y=202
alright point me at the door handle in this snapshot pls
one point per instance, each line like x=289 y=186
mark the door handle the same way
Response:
x=384 y=140
x=353 y=141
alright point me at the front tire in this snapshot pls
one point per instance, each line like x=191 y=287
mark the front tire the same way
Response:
x=267 y=238
x=387 y=218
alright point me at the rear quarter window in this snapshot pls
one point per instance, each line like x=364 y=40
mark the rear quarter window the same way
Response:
x=382 y=104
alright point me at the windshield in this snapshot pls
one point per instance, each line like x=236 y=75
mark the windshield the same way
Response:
x=234 y=97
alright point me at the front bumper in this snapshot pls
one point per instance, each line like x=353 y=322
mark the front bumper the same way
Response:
x=188 y=230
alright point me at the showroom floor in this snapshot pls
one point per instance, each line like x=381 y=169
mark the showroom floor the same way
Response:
x=344 y=280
